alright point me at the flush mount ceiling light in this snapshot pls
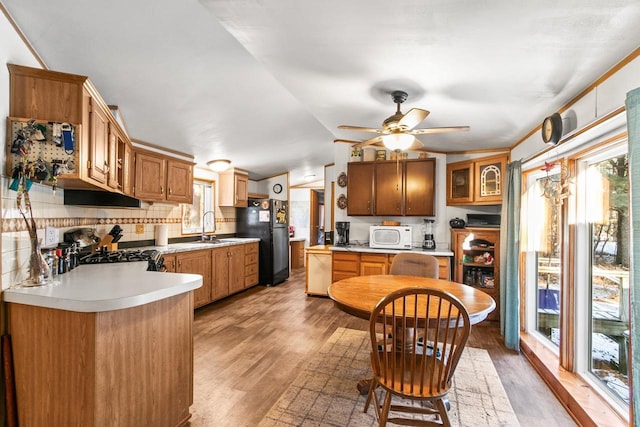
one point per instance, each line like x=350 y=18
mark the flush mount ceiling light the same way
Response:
x=398 y=141
x=219 y=165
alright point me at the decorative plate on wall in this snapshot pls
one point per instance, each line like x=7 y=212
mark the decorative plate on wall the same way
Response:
x=342 y=201
x=342 y=179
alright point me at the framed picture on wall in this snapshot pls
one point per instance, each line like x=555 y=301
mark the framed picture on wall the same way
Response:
x=193 y=215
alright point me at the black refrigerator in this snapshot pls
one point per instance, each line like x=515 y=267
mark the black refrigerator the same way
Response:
x=268 y=220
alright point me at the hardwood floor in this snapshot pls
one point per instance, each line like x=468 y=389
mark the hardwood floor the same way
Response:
x=248 y=348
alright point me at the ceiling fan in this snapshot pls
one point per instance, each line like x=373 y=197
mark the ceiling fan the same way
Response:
x=397 y=131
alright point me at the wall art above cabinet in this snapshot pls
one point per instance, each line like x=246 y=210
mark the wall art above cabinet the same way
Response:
x=391 y=188
x=476 y=182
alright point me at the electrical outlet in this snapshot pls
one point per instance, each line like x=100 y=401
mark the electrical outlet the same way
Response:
x=50 y=236
x=139 y=228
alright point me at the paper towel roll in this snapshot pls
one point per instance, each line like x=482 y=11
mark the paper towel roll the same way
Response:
x=162 y=235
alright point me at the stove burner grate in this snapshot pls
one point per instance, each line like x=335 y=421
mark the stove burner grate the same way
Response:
x=131 y=255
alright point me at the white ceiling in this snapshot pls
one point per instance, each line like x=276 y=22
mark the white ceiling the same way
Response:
x=266 y=83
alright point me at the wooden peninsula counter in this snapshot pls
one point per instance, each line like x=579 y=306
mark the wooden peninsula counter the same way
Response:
x=110 y=345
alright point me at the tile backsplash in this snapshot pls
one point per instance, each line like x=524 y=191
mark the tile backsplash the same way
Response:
x=138 y=224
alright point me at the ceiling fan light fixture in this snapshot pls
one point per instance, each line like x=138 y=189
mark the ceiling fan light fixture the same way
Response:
x=219 y=165
x=398 y=141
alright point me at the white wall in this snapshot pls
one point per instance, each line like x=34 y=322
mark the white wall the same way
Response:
x=299 y=214
x=600 y=101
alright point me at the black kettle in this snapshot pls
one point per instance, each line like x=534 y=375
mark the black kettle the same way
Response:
x=457 y=223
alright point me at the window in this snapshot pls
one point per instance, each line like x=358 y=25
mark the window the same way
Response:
x=543 y=261
x=602 y=270
x=193 y=214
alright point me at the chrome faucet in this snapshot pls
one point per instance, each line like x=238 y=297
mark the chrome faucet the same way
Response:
x=203 y=237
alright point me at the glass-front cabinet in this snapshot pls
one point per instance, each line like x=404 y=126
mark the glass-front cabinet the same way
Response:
x=476 y=182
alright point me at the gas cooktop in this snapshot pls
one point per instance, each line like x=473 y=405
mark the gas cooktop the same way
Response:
x=122 y=255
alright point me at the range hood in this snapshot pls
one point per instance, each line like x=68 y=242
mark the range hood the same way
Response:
x=100 y=198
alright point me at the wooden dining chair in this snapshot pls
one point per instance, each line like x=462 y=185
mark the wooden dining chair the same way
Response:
x=415 y=264
x=417 y=362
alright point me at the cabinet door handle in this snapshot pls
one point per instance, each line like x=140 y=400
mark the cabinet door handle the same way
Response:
x=170 y=191
x=106 y=167
x=161 y=189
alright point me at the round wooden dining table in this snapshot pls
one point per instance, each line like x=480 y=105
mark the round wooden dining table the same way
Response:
x=359 y=295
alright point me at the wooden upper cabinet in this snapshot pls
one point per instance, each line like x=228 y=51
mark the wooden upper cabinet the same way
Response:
x=476 y=182
x=389 y=188
x=233 y=189
x=150 y=177
x=392 y=188
x=360 y=178
x=128 y=171
x=460 y=183
x=51 y=96
x=419 y=187
x=45 y=95
x=489 y=179
x=179 y=181
x=98 y=164
x=159 y=178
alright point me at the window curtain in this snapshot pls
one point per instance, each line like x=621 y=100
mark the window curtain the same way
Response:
x=510 y=257
x=633 y=130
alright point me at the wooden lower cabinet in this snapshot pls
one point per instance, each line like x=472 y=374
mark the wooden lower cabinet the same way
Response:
x=251 y=264
x=351 y=264
x=169 y=263
x=225 y=270
x=128 y=367
x=297 y=254
x=344 y=265
x=228 y=271
x=197 y=262
x=372 y=264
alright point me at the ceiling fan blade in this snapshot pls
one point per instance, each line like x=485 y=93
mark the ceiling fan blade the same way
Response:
x=360 y=128
x=348 y=141
x=371 y=141
x=439 y=130
x=412 y=118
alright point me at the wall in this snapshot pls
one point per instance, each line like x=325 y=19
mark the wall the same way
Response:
x=299 y=214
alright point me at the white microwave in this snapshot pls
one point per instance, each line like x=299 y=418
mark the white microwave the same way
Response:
x=390 y=236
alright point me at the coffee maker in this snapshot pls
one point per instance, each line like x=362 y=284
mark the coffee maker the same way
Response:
x=342 y=229
x=428 y=242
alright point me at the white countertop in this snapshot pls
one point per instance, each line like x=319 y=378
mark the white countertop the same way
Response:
x=358 y=248
x=297 y=239
x=105 y=287
x=193 y=246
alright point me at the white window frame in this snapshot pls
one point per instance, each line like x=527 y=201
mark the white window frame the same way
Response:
x=582 y=272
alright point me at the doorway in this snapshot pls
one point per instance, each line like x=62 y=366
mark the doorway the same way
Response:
x=316 y=217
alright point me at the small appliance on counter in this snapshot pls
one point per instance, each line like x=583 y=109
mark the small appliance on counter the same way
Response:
x=428 y=242
x=483 y=220
x=342 y=229
x=390 y=237
x=457 y=223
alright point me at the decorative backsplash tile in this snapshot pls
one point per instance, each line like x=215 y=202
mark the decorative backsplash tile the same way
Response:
x=49 y=210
